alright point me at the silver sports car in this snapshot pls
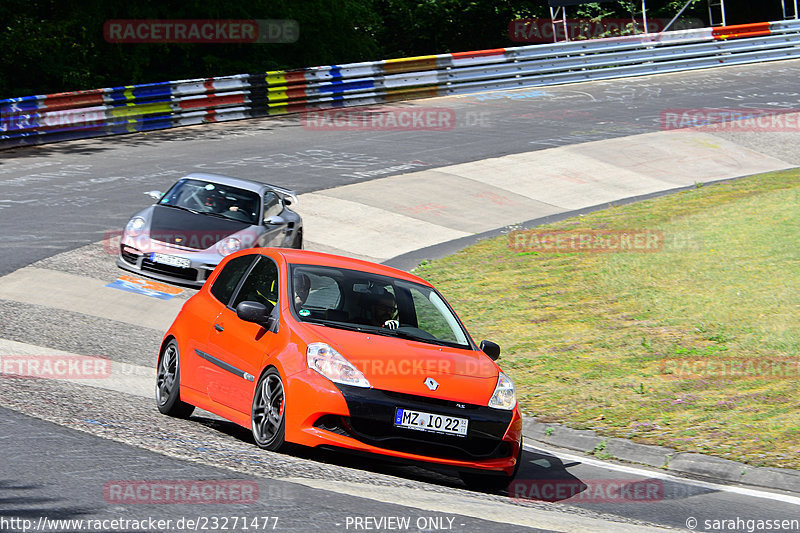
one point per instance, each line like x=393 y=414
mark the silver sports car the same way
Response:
x=200 y=220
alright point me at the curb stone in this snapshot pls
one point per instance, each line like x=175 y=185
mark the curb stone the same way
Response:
x=695 y=464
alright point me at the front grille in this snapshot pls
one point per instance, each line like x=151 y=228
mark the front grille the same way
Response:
x=372 y=422
x=189 y=274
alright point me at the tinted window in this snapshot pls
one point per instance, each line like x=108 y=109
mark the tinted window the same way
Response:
x=374 y=303
x=214 y=199
x=433 y=317
x=261 y=285
x=229 y=278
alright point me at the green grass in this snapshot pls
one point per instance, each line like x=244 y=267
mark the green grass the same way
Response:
x=591 y=338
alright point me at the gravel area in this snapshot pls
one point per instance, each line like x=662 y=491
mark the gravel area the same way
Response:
x=78 y=333
x=95 y=261
x=780 y=145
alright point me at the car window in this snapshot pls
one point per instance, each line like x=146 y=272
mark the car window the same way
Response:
x=213 y=199
x=324 y=292
x=369 y=302
x=433 y=317
x=228 y=279
x=272 y=205
x=261 y=285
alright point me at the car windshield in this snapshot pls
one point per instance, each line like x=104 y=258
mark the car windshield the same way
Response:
x=361 y=301
x=214 y=199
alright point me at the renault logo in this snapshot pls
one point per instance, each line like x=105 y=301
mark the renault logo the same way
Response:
x=431 y=383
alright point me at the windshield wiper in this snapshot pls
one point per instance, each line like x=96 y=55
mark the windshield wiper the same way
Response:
x=385 y=332
x=410 y=336
x=406 y=335
x=338 y=325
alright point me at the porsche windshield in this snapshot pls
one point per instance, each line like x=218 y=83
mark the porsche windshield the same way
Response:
x=351 y=299
x=214 y=199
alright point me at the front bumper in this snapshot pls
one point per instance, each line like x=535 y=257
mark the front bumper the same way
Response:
x=201 y=266
x=364 y=421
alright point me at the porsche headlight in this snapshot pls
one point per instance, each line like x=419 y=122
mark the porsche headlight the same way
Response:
x=135 y=226
x=229 y=245
x=504 y=397
x=331 y=364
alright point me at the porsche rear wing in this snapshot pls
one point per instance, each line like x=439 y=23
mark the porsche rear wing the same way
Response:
x=285 y=193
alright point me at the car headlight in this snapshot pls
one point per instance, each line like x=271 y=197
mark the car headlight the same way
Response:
x=229 y=245
x=504 y=397
x=135 y=226
x=331 y=364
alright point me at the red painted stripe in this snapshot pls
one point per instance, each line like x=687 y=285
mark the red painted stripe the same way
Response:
x=53 y=102
x=479 y=53
x=211 y=101
x=295 y=76
x=295 y=93
x=758 y=29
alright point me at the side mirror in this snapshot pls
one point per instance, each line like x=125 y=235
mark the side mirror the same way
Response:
x=491 y=349
x=256 y=313
x=274 y=220
x=155 y=195
x=287 y=201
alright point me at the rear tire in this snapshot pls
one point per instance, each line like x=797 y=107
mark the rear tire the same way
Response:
x=168 y=383
x=267 y=418
x=297 y=242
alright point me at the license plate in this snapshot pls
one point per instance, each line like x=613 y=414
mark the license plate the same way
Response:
x=433 y=423
x=171 y=260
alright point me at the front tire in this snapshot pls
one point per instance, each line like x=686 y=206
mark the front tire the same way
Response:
x=267 y=416
x=168 y=383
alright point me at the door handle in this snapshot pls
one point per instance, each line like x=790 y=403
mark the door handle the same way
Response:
x=218 y=327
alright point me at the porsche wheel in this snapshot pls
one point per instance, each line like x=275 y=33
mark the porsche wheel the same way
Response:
x=168 y=381
x=267 y=415
x=297 y=242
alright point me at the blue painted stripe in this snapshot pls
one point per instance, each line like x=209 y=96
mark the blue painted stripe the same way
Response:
x=337 y=87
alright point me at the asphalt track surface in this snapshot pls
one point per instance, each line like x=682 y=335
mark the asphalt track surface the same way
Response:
x=58 y=198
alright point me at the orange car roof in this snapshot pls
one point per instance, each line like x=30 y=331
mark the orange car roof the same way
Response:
x=307 y=257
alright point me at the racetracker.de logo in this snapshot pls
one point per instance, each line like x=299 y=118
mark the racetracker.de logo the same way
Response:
x=588 y=241
x=383 y=119
x=719 y=119
x=588 y=491
x=709 y=368
x=134 y=31
x=542 y=30
x=55 y=366
x=180 y=492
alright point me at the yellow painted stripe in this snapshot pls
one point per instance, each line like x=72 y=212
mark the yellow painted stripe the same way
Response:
x=407 y=59
x=276 y=95
x=140 y=109
x=278 y=110
x=409 y=64
x=129 y=93
x=276 y=77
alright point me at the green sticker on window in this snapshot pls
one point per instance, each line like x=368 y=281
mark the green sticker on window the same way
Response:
x=304 y=312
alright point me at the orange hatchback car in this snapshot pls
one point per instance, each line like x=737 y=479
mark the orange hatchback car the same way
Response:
x=321 y=350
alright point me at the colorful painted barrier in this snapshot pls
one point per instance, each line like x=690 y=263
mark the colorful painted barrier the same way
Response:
x=83 y=114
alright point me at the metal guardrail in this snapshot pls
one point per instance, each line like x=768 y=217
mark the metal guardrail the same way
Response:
x=57 y=117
